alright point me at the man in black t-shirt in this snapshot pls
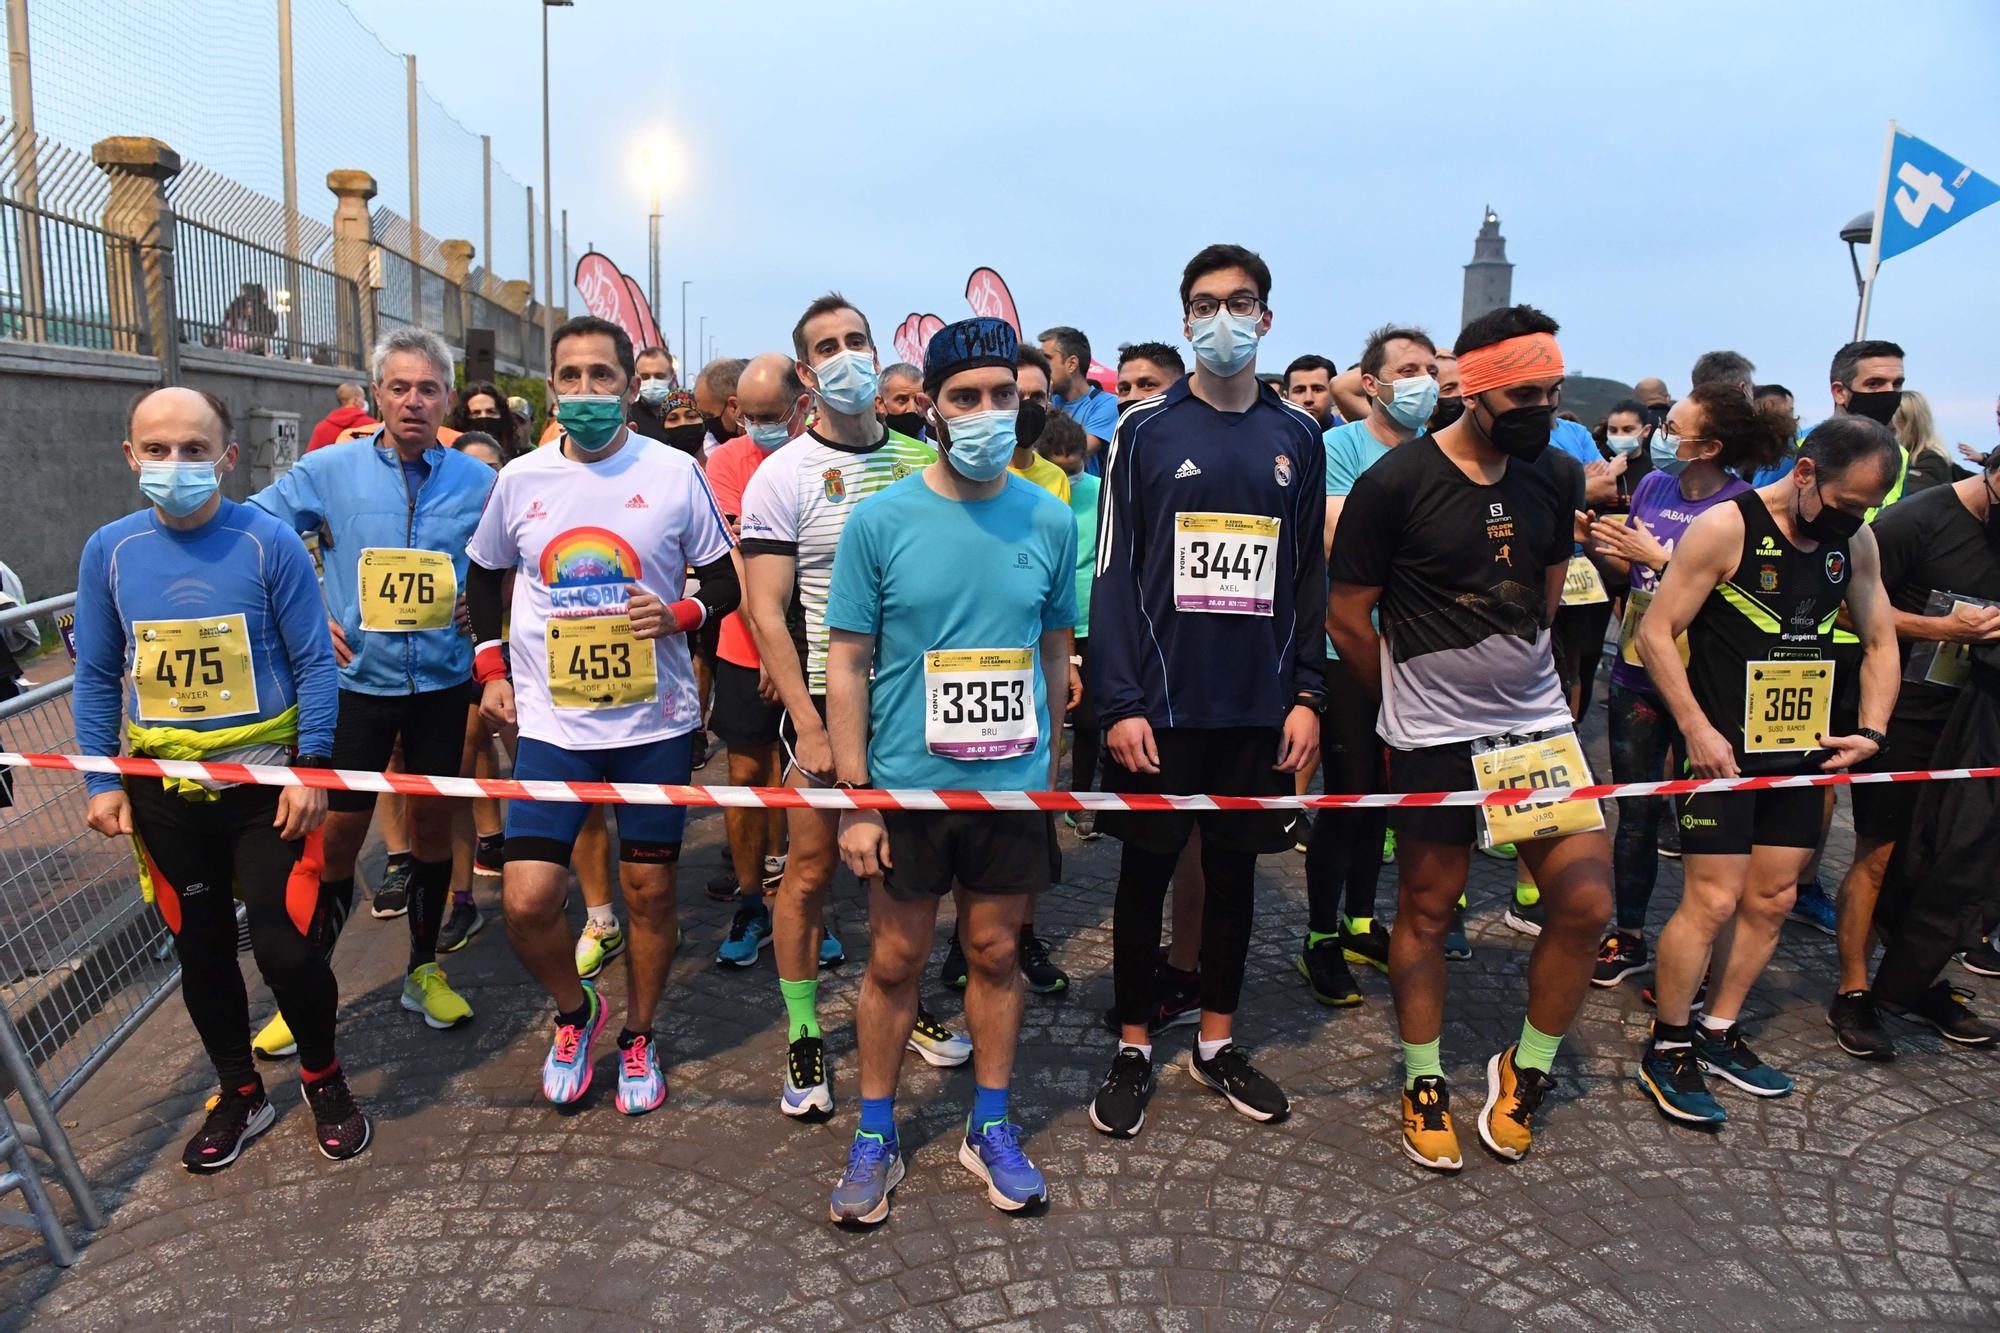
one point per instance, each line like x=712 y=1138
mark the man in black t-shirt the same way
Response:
x=1461 y=541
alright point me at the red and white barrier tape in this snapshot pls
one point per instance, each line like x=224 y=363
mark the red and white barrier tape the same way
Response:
x=831 y=798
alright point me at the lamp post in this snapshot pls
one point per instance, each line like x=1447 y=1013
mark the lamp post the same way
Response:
x=1858 y=233
x=685 y=284
x=548 y=207
x=701 y=340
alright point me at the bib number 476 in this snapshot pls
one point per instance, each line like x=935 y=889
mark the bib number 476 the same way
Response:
x=409 y=587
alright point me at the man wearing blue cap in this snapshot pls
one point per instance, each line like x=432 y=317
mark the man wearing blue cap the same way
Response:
x=967 y=694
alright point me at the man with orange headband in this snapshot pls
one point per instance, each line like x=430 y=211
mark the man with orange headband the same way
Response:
x=1461 y=539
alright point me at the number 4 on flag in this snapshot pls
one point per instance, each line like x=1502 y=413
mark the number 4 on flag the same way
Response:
x=1923 y=193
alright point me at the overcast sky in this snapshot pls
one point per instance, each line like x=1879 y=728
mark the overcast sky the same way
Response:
x=1670 y=176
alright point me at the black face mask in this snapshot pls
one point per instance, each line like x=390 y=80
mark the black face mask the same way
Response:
x=1029 y=423
x=1992 y=515
x=1656 y=414
x=1879 y=406
x=1447 y=411
x=907 y=423
x=687 y=438
x=1829 y=524
x=713 y=425
x=1522 y=432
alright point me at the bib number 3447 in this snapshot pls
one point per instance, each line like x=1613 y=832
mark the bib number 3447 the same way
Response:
x=1225 y=564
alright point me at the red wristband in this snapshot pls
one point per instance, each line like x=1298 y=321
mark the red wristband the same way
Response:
x=688 y=615
x=489 y=661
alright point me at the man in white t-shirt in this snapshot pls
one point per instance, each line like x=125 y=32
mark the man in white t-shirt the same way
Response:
x=601 y=531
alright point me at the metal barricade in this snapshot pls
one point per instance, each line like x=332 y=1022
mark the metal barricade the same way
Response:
x=83 y=960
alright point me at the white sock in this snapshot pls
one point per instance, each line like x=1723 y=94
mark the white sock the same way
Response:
x=1710 y=1023
x=1210 y=1049
x=603 y=916
x=1146 y=1050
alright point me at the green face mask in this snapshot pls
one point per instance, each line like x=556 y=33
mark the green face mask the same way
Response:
x=591 y=420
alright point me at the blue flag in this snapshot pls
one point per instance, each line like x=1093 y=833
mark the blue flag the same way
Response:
x=1925 y=192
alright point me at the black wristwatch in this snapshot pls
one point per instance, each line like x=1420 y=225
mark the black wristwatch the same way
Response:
x=1316 y=702
x=311 y=761
x=1873 y=735
x=842 y=784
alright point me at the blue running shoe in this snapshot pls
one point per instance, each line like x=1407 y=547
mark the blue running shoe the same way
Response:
x=831 y=953
x=874 y=1167
x=1673 y=1078
x=993 y=1153
x=1814 y=908
x=1727 y=1056
x=749 y=935
x=566 y=1071
x=641 y=1085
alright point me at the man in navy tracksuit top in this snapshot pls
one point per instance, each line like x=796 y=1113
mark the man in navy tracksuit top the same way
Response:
x=1207 y=656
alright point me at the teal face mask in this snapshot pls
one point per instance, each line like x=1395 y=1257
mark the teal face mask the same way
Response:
x=591 y=420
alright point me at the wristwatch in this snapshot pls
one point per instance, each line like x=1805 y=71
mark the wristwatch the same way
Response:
x=1873 y=735
x=1316 y=702
x=311 y=761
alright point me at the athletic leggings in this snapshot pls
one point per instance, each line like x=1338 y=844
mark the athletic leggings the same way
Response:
x=1226 y=912
x=1344 y=853
x=196 y=851
x=1086 y=738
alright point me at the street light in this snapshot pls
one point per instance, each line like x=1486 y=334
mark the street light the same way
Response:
x=548 y=206
x=685 y=284
x=1860 y=231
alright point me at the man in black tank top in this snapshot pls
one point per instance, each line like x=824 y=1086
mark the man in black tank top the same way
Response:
x=1755 y=584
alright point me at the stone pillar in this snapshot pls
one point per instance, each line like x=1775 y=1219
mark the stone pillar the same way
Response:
x=140 y=276
x=458 y=271
x=352 y=247
x=515 y=295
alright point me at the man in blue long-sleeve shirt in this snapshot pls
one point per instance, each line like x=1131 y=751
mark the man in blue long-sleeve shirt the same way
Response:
x=199 y=621
x=1206 y=659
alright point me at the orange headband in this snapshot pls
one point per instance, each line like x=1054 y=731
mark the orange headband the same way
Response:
x=1531 y=356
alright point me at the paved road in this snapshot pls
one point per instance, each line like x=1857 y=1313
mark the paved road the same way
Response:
x=1870 y=1198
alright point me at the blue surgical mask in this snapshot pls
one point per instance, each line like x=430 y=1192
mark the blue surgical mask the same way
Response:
x=654 y=392
x=1224 y=344
x=1622 y=444
x=768 y=435
x=179 y=488
x=1666 y=451
x=1413 y=401
x=847 y=382
x=982 y=444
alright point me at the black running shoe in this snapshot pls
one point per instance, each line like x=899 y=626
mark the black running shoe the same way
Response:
x=952 y=971
x=339 y=1126
x=489 y=855
x=1301 y=829
x=1982 y=960
x=1457 y=945
x=461 y=923
x=1365 y=941
x=1945 y=1008
x=234 y=1118
x=392 y=895
x=1326 y=973
x=1119 y=1108
x=1178 y=1005
x=1231 y=1074
x=1700 y=996
x=1043 y=976
x=697 y=749
x=1857 y=1026
x=723 y=887
x=1622 y=953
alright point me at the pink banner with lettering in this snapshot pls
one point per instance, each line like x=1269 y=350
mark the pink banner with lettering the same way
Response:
x=608 y=294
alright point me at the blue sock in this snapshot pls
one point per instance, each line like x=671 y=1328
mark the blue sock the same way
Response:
x=988 y=1105
x=878 y=1116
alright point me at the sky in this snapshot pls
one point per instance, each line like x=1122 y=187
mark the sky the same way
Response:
x=1670 y=177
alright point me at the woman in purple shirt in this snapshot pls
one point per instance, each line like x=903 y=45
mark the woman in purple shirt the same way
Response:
x=1715 y=438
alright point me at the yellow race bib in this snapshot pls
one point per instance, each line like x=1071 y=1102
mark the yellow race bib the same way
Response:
x=1582 y=584
x=1553 y=761
x=1786 y=705
x=403 y=590
x=594 y=662
x=1636 y=602
x=193 y=670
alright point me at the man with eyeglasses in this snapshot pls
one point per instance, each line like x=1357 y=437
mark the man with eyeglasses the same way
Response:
x=1207 y=659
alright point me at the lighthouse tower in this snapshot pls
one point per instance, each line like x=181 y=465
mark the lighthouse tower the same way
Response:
x=1489 y=278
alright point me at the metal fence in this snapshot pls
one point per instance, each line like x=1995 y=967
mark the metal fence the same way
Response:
x=413 y=294
x=517 y=342
x=241 y=297
x=68 y=282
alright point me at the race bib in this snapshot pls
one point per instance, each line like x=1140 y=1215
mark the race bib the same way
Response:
x=1225 y=563
x=594 y=662
x=1946 y=664
x=1582 y=584
x=1636 y=602
x=1786 y=705
x=1552 y=761
x=193 y=670
x=979 y=703
x=403 y=591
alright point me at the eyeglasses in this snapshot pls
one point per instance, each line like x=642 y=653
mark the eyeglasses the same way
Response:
x=1239 y=305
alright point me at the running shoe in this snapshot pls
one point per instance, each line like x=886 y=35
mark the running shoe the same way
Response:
x=1502 y=851
x=641 y=1085
x=874 y=1169
x=1673 y=1078
x=1428 y=1138
x=1945 y=1008
x=939 y=1045
x=697 y=749
x=749 y=935
x=1043 y=976
x=1363 y=940
x=392 y=895
x=1524 y=911
x=596 y=946
x=1457 y=946
x=1857 y=1026
x=566 y=1071
x=1119 y=1108
x=831 y=952
x=808 y=1088
x=993 y=1153
x=1982 y=961
x=1622 y=954
x=1813 y=907
x=1178 y=1004
x=1670 y=834
x=461 y=923
x=1513 y=1095
x=1388 y=847
x=489 y=855
x=340 y=1127
x=723 y=888
x=275 y=1041
x=1727 y=1056
x=1325 y=971
x=951 y=972
x=1230 y=1073
x=1301 y=829
x=425 y=992
x=774 y=867
x=234 y=1118
x=1700 y=996
x=1083 y=823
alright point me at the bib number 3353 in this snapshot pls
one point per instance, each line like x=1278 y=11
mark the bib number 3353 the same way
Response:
x=979 y=703
x=1225 y=563
x=187 y=670
x=595 y=662
x=404 y=590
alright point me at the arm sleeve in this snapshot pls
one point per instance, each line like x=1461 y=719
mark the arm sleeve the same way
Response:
x=294 y=500
x=720 y=590
x=301 y=615
x=1364 y=545
x=1060 y=610
x=97 y=696
x=854 y=597
x=1309 y=594
x=1116 y=636
x=485 y=590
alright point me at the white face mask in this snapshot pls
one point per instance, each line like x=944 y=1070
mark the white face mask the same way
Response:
x=1622 y=444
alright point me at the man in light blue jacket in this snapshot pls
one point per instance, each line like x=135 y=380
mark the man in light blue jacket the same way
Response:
x=398 y=508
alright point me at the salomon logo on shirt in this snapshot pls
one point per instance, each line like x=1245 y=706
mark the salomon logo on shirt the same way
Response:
x=1186 y=469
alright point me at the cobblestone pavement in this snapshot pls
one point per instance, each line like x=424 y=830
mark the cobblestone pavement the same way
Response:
x=1872 y=1197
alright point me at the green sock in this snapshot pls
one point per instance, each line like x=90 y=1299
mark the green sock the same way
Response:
x=1526 y=894
x=1320 y=937
x=1418 y=1060
x=801 y=1007
x=1537 y=1049
x=1357 y=925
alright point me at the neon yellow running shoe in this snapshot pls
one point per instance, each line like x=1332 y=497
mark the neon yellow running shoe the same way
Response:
x=597 y=946
x=425 y=992
x=275 y=1042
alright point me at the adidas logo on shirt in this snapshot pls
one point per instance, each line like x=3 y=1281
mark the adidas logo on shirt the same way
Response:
x=636 y=502
x=1186 y=469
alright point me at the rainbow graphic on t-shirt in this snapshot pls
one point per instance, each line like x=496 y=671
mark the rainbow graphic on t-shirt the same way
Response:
x=587 y=571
